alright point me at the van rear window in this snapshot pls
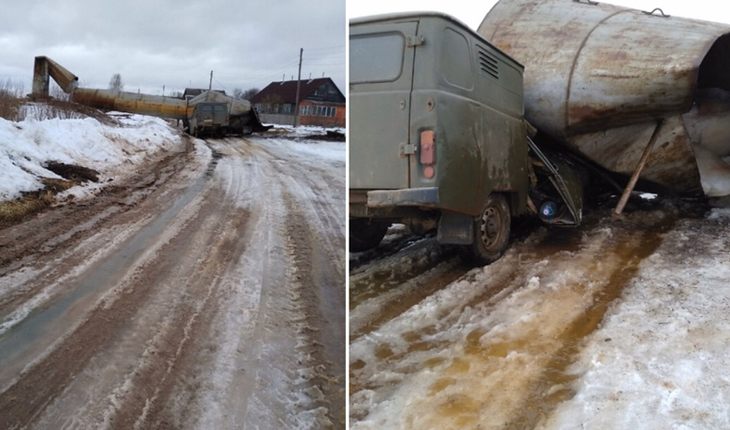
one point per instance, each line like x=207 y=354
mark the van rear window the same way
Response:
x=376 y=57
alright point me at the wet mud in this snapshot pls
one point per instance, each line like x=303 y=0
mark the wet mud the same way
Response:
x=490 y=347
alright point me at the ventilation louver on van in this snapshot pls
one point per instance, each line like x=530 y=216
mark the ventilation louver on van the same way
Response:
x=488 y=63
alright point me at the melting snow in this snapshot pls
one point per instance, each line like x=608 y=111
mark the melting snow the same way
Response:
x=661 y=358
x=332 y=151
x=27 y=145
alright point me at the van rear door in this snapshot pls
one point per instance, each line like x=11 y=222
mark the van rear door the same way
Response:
x=381 y=81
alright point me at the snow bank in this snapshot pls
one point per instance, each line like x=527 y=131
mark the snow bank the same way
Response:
x=27 y=145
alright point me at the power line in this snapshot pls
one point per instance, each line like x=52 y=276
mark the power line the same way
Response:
x=334 y=48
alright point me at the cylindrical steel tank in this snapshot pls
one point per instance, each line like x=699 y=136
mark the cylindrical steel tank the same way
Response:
x=145 y=104
x=599 y=77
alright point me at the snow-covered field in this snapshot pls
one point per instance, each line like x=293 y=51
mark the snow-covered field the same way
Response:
x=27 y=145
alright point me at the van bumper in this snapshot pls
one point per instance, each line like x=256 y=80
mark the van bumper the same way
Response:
x=422 y=197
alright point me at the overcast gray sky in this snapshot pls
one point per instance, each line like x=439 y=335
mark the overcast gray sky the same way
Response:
x=175 y=43
x=472 y=12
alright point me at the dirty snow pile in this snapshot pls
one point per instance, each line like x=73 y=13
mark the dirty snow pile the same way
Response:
x=26 y=146
x=661 y=358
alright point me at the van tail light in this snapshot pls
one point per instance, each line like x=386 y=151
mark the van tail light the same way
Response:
x=427 y=152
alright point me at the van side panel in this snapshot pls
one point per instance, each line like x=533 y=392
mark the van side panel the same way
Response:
x=472 y=98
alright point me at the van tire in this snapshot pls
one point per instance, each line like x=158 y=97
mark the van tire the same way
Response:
x=491 y=232
x=366 y=233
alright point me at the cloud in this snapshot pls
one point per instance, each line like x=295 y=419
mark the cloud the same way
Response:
x=175 y=43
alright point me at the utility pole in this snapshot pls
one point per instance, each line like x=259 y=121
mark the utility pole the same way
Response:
x=210 y=86
x=299 y=82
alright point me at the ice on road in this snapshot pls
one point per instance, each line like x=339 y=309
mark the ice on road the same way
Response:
x=204 y=291
x=621 y=324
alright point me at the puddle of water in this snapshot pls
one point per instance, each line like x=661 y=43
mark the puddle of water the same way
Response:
x=554 y=385
x=44 y=325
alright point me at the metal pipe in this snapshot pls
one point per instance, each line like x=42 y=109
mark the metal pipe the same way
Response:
x=637 y=172
x=145 y=104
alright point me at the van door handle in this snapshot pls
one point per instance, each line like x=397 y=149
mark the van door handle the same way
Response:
x=407 y=149
x=414 y=41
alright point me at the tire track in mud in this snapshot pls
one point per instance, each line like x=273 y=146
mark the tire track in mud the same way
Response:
x=322 y=385
x=468 y=361
x=383 y=274
x=402 y=296
x=126 y=195
x=71 y=224
x=543 y=398
x=416 y=339
x=147 y=351
x=407 y=278
x=396 y=239
x=191 y=322
x=318 y=255
x=289 y=348
x=21 y=403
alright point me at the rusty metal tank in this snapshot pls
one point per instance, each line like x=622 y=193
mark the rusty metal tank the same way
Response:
x=599 y=78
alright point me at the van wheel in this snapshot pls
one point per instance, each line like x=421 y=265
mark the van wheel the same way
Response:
x=491 y=232
x=366 y=234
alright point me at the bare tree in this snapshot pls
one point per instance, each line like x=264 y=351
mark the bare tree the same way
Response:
x=249 y=93
x=12 y=88
x=115 y=83
x=245 y=95
x=57 y=93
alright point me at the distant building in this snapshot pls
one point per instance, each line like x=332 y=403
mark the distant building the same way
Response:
x=320 y=103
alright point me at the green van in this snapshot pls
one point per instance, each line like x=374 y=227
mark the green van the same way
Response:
x=437 y=137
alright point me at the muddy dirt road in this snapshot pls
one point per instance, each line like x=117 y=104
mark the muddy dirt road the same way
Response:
x=204 y=293
x=519 y=344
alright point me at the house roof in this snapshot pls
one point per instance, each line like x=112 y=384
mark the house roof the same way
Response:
x=286 y=91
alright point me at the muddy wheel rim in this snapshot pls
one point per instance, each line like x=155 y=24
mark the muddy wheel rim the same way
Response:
x=489 y=227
